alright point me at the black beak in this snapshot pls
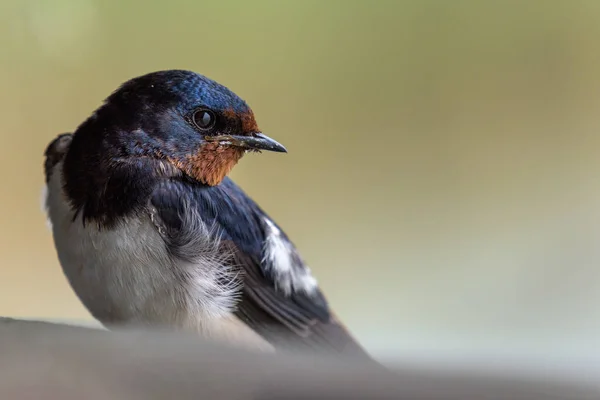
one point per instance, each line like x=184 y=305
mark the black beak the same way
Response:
x=254 y=141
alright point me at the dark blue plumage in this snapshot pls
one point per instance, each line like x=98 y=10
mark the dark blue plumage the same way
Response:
x=160 y=148
x=178 y=89
x=239 y=220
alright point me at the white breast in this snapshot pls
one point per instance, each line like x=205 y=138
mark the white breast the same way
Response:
x=125 y=274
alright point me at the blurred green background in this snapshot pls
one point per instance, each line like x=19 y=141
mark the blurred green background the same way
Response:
x=442 y=175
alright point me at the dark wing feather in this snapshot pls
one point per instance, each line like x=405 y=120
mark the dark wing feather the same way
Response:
x=55 y=151
x=296 y=321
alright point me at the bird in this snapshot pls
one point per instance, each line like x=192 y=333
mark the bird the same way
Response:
x=150 y=230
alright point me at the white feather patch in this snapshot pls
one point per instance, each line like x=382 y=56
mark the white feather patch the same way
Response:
x=127 y=274
x=280 y=256
x=44 y=207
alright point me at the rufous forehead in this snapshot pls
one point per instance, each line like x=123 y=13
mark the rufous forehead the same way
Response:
x=247 y=119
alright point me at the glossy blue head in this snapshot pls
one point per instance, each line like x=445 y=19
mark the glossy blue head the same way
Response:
x=195 y=123
x=185 y=91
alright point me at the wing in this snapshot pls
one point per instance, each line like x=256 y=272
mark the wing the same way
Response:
x=279 y=298
x=55 y=151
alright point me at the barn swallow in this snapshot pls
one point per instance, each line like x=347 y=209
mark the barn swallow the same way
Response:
x=150 y=230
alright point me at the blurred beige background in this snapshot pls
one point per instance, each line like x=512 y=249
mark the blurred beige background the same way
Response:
x=442 y=175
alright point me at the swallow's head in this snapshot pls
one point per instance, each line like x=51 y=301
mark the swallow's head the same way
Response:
x=197 y=125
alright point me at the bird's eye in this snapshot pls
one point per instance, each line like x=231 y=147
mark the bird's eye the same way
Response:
x=204 y=119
